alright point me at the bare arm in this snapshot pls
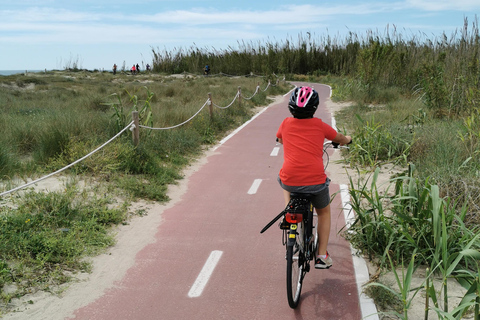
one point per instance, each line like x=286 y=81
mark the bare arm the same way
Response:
x=342 y=139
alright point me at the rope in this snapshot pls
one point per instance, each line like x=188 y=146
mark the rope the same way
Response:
x=258 y=87
x=268 y=85
x=236 y=96
x=68 y=166
x=226 y=75
x=178 y=125
x=245 y=75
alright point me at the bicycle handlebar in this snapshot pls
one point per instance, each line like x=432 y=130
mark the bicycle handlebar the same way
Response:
x=336 y=145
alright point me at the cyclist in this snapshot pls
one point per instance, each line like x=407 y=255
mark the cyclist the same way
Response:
x=302 y=137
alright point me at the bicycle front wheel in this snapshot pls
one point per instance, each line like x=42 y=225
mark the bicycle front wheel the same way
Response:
x=294 y=275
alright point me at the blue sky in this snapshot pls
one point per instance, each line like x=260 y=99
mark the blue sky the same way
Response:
x=94 y=34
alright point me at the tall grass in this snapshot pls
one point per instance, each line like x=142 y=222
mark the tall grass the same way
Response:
x=442 y=71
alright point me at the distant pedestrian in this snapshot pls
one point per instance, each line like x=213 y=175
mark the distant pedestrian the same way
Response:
x=114 y=69
x=138 y=68
x=133 y=70
x=206 y=71
x=148 y=67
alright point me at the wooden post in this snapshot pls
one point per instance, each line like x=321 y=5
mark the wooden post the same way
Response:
x=210 y=104
x=135 y=131
x=239 y=96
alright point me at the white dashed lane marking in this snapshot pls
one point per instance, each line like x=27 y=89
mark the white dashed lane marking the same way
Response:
x=275 y=152
x=207 y=270
x=255 y=185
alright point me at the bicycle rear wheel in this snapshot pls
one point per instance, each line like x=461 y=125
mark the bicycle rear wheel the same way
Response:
x=294 y=274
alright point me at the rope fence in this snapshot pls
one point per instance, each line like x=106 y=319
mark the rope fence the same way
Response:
x=68 y=166
x=180 y=124
x=210 y=103
x=134 y=126
x=226 y=107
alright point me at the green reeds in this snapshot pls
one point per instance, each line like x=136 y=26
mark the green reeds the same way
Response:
x=442 y=71
x=414 y=221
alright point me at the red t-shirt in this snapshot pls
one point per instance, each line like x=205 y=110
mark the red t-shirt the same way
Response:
x=303 y=150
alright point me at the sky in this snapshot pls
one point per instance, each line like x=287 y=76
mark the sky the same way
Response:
x=95 y=34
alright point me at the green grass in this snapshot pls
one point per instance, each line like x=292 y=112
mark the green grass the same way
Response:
x=48 y=234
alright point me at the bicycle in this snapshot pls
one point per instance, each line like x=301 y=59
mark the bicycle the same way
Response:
x=298 y=224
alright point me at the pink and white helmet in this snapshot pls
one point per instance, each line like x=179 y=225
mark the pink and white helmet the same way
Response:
x=303 y=102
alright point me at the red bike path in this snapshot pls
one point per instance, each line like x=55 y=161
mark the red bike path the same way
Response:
x=218 y=213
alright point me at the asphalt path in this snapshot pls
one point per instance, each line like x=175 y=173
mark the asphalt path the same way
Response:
x=209 y=260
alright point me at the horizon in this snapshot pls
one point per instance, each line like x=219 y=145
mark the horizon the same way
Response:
x=53 y=35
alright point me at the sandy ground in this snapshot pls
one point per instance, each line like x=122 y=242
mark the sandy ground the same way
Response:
x=113 y=265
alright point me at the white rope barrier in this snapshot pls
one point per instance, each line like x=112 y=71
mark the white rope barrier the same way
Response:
x=268 y=85
x=208 y=102
x=236 y=96
x=181 y=124
x=258 y=87
x=68 y=166
x=240 y=76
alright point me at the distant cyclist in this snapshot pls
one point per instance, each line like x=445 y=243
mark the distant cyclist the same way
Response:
x=302 y=137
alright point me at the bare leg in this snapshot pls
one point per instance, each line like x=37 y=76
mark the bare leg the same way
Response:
x=286 y=195
x=323 y=229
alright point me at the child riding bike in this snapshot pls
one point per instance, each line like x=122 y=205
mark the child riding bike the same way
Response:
x=302 y=137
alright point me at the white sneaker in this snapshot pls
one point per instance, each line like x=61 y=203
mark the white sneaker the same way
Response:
x=321 y=263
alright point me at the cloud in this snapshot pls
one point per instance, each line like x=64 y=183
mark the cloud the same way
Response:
x=285 y=15
x=444 y=5
x=36 y=14
x=48 y=25
x=60 y=25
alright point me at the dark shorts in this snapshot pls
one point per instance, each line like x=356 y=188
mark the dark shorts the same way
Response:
x=321 y=193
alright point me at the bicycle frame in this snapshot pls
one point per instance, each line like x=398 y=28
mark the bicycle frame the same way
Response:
x=301 y=243
x=299 y=240
x=299 y=212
